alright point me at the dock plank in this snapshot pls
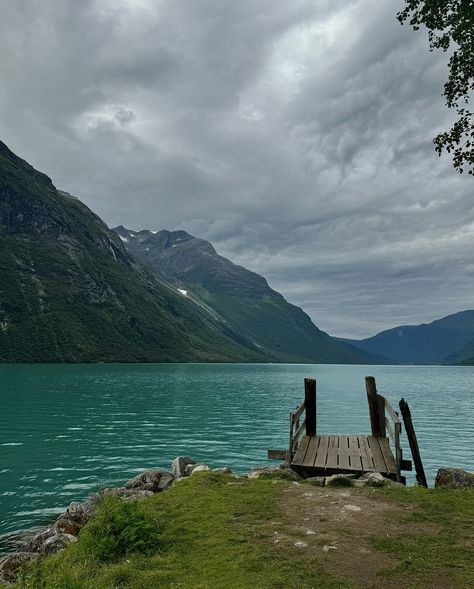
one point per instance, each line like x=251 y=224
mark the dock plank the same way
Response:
x=310 y=456
x=301 y=452
x=321 y=456
x=387 y=454
x=343 y=460
x=379 y=462
x=355 y=460
x=333 y=451
x=366 y=454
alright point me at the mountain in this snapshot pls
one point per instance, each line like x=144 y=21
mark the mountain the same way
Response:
x=438 y=342
x=241 y=299
x=70 y=292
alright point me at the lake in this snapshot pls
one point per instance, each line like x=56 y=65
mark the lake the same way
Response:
x=69 y=430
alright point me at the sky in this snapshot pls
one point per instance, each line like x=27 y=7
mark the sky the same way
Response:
x=295 y=136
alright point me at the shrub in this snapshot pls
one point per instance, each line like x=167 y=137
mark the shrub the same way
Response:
x=119 y=528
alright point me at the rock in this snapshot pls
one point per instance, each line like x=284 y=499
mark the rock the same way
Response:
x=79 y=512
x=339 y=480
x=375 y=479
x=316 y=481
x=154 y=480
x=12 y=564
x=352 y=507
x=35 y=544
x=224 y=470
x=56 y=543
x=179 y=464
x=192 y=468
x=277 y=473
x=66 y=525
x=328 y=547
x=454 y=478
x=301 y=544
x=128 y=494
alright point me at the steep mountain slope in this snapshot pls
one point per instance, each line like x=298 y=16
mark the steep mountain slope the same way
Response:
x=70 y=292
x=435 y=342
x=242 y=299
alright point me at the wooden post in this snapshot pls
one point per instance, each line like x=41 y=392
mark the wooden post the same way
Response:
x=415 y=451
x=310 y=405
x=376 y=408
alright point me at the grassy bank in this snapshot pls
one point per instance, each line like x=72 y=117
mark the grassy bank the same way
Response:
x=215 y=531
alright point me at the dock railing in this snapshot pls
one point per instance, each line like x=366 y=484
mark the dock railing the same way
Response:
x=385 y=420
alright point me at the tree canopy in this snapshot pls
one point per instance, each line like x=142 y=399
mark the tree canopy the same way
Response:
x=450 y=25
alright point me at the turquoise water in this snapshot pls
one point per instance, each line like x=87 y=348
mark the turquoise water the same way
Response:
x=66 y=431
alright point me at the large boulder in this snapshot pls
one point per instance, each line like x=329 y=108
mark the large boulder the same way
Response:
x=133 y=494
x=12 y=564
x=179 y=464
x=154 y=480
x=56 y=543
x=64 y=525
x=454 y=478
x=273 y=473
x=79 y=512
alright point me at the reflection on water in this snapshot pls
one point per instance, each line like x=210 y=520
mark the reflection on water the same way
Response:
x=67 y=431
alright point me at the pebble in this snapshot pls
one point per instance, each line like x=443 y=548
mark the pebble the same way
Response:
x=352 y=507
x=327 y=548
x=300 y=544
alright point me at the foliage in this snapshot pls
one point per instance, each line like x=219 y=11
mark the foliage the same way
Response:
x=120 y=528
x=450 y=24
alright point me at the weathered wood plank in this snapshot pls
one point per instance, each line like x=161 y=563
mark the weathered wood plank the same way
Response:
x=311 y=451
x=321 y=455
x=333 y=451
x=343 y=453
x=387 y=455
x=415 y=450
x=391 y=411
x=355 y=460
x=379 y=462
x=299 y=431
x=301 y=452
x=277 y=454
x=299 y=410
x=366 y=454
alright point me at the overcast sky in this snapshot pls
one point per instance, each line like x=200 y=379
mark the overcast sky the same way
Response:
x=295 y=135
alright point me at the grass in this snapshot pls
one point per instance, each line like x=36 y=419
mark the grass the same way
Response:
x=215 y=531
x=435 y=546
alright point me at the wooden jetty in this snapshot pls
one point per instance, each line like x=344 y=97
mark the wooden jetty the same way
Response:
x=311 y=454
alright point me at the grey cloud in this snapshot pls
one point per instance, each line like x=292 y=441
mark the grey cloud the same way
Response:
x=297 y=136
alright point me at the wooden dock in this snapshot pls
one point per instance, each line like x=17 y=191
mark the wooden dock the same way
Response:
x=311 y=454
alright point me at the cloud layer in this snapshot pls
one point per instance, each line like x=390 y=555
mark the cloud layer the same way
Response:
x=296 y=136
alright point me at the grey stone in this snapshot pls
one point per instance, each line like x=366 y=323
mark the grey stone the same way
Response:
x=316 y=481
x=12 y=564
x=35 y=544
x=224 y=470
x=192 y=468
x=128 y=494
x=56 y=543
x=179 y=464
x=154 y=480
x=277 y=473
x=66 y=525
x=454 y=478
x=79 y=512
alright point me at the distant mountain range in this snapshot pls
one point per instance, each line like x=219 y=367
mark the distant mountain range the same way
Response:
x=449 y=340
x=70 y=291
